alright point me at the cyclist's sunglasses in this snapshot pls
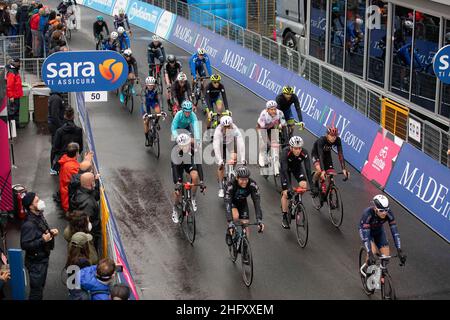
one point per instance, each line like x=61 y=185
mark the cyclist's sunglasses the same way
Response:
x=382 y=210
x=214 y=82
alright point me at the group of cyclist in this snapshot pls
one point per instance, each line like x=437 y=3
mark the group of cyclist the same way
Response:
x=277 y=114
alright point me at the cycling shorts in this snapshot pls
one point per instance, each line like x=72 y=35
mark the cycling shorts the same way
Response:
x=379 y=238
x=181 y=169
x=327 y=160
x=288 y=114
x=298 y=175
x=200 y=70
x=145 y=108
x=242 y=207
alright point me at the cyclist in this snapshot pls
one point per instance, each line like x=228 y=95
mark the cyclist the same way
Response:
x=183 y=161
x=372 y=232
x=132 y=72
x=124 y=40
x=197 y=63
x=214 y=90
x=151 y=103
x=155 y=49
x=99 y=27
x=181 y=90
x=171 y=68
x=236 y=202
x=291 y=160
x=270 y=118
x=227 y=140
x=321 y=156
x=285 y=99
x=111 y=42
x=185 y=119
x=121 y=20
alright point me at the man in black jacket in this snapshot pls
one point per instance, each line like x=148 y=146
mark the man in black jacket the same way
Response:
x=56 y=110
x=37 y=240
x=68 y=133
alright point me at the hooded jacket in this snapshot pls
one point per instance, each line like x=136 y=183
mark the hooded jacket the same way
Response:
x=89 y=282
x=13 y=83
x=68 y=133
x=69 y=167
x=56 y=110
x=34 y=21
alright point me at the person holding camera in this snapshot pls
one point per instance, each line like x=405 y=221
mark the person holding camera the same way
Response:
x=96 y=280
x=37 y=240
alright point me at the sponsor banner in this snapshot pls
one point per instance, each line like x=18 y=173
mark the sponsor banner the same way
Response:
x=382 y=157
x=6 y=196
x=104 y=6
x=319 y=108
x=441 y=64
x=422 y=185
x=120 y=4
x=144 y=15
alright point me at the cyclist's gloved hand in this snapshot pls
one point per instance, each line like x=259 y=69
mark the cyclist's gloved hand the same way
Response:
x=202 y=186
x=178 y=186
x=371 y=258
x=302 y=125
x=401 y=256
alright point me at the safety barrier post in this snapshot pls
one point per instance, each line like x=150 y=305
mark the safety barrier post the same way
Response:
x=17 y=282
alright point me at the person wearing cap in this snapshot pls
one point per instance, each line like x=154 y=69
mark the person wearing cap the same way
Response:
x=80 y=250
x=37 y=240
x=97 y=279
x=13 y=89
x=79 y=223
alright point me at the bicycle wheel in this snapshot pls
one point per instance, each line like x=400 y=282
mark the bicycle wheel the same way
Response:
x=301 y=224
x=233 y=250
x=188 y=224
x=387 y=288
x=362 y=261
x=335 y=207
x=156 y=142
x=247 y=262
x=129 y=101
x=317 y=204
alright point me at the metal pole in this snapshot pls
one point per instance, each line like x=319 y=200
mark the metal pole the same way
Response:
x=18 y=280
x=388 y=55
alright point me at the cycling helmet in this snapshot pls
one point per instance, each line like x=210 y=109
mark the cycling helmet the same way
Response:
x=183 y=139
x=271 y=104
x=155 y=37
x=381 y=202
x=171 y=58
x=242 y=172
x=332 y=131
x=409 y=24
x=215 y=77
x=201 y=51
x=127 y=52
x=121 y=11
x=186 y=106
x=99 y=18
x=181 y=76
x=114 y=35
x=288 y=90
x=150 y=81
x=120 y=30
x=296 y=142
x=226 y=121
x=359 y=21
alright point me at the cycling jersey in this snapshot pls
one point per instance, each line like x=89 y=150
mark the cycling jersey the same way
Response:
x=107 y=45
x=196 y=65
x=285 y=106
x=99 y=27
x=290 y=163
x=124 y=41
x=180 y=93
x=236 y=197
x=371 y=229
x=322 y=152
x=179 y=167
x=213 y=94
x=151 y=100
x=132 y=66
x=120 y=21
x=266 y=121
x=172 y=71
x=180 y=121
x=155 y=51
x=231 y=136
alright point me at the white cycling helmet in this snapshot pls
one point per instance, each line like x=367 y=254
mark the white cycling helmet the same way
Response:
x=150 y=81
x=155 y=37
x=181 y=76
x=381 y=202
x=120 y=30
x=226 y=121
x=201 y=51
x=271 y=104
x=127 y=52
x=183 y=139
x=121 y=11
x=114 y=35
x=296 y=142
x=409 y=24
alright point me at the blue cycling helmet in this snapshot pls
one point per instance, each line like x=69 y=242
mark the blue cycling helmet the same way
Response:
x=186 y=106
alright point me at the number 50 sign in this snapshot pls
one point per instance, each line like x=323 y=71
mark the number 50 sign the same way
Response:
x=96 y=96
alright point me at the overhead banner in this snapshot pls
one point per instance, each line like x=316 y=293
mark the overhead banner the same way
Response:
x=422 y=185
x=104 y=6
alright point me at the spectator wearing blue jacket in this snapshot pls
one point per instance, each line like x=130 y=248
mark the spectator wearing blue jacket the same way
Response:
x=97 y=279
x=124 y=40
x=197 y=63
x=43 y=27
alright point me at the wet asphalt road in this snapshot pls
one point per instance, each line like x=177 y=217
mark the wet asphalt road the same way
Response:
x=165 y=266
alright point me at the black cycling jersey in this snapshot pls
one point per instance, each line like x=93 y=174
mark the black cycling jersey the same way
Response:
x=180 y=167
x=293 y=164
x=237 y=196
x=172 y=71
x=212 y=94
x=121 y=21
x=99 y=27
x=285 y=105
x=153 y=47
x=322 y=152
x=132 y=66
x=181 y=93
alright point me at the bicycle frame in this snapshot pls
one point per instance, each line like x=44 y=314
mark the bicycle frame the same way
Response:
x=382 y=265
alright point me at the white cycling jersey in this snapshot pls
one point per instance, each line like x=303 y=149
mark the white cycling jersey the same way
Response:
x=266 y=121
x=228 y=138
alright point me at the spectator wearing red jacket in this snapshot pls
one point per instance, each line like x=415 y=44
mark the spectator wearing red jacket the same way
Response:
x=34 y=26
x=13 y=89
x=69 y=166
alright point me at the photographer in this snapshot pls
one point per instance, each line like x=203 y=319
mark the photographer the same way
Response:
x=96 y=280
x=37 y=240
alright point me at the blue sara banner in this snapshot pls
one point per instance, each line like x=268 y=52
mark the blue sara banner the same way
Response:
x=441 y=64
x=422 y=185
x=265 y=78
x=76 y=71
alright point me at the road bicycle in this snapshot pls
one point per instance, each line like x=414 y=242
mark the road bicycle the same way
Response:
x=297 y=211
x=197 y=92
x=153 y=134
x=128 y=93
x=154 y=70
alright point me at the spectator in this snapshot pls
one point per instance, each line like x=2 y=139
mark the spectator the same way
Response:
x=68 y=166
x=55 y=39
x=97 y=279
x=79 y=222
x=5 y=21
x=22 y=17
x=119 y=291
x=14 y=88
x=37 y=240
x=14 y=28
x=85 y=200
x=34 y=26
x=43 y=27
x=4 y=273
x=68 y=133
x=56 y=110
x=85 y=166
